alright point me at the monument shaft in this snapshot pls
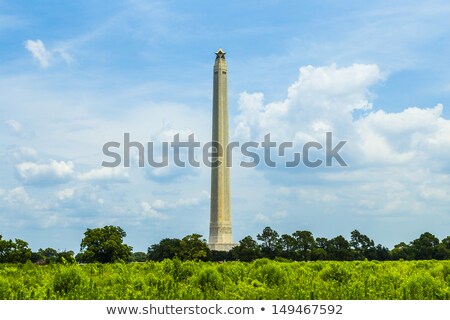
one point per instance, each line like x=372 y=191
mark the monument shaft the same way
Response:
x=220 y=234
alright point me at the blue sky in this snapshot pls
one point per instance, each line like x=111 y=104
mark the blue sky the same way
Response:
x=74 y=75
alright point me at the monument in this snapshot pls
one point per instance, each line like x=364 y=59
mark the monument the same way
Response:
x=220 y=235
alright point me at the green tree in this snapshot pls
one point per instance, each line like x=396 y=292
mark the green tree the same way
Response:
x=193 y=248
x=382 y=253
x=304 y=244
x=14 y=251
x=338 y=248
x=247 y=250
x=270 y=246
x=65 y=257
x=165 y=249
x=20 y=253
x=321 y=243
x=6 y=248
x=105 y=245
x=363 y=246
x=402 y=251
x=215 y=256
x=443 y=249
x=288 y=245
x=49 y=255
x=139 y=257
x=36 y=257
x=319 y=252
x=425 y=247
x=79 y=257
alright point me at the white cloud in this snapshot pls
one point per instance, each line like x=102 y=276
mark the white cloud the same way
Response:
x=46 y=57
x=15 y=126
x=434 y=193
x=39 y=52
x=65 y=194
x=65 y=56
x=159 y=204
x=262 y=218
x=171 y=171
x=19 y=199
x=325 y=98
x=280 y=214
x=187 y=202
x=182 y=202
x=398 y=161
x=192 y=201
x=43 y=174
x=25 y=154
x=118 y=174
x=415 y=135
x=322 y=98
x=149 y=211
x=17 y=196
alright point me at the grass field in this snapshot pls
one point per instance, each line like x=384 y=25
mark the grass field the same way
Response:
x=261 y=279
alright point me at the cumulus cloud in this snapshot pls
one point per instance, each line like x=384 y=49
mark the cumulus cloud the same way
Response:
x=16 y=196
x=118 y=174
x=150 y=212
x=19 y=199
x=45 y=174
x=415 y=135
x=323 y=98
x=398 y=161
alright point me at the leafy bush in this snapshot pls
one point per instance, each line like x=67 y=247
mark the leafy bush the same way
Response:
x=261 y=279
x=66 y=280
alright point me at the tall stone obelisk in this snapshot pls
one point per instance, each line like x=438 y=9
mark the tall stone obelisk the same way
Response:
x=220 y=236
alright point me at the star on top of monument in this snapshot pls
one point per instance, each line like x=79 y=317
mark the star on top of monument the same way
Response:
x=220 y=54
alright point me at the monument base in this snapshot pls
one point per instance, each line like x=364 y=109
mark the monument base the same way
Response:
x=221 y=246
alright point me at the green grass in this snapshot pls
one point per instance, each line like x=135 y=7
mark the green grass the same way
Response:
x=261 y=279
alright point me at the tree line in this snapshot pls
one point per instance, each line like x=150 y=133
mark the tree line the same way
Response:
x=105 y=245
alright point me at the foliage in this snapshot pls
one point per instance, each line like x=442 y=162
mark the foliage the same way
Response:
x=270 y=245
x=247 y=250
x=191 y=247
x=165 y=249
x=105 y=245
x=50 y=255
x=301 y=246
x=260 y=279
x=363 y=246
x=138 y=257
x=14 y=251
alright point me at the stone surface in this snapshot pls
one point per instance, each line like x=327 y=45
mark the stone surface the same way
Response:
x=220 y=231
